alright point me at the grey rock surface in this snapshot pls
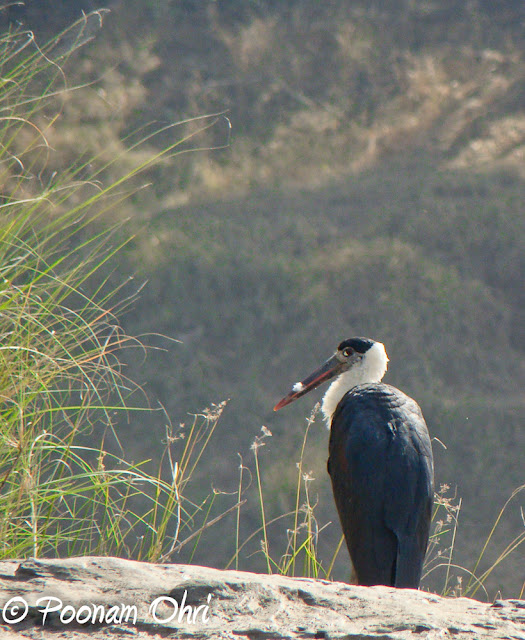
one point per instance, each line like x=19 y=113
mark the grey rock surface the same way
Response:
x=106 y=598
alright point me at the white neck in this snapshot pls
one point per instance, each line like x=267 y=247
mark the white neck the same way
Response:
x=371 y=368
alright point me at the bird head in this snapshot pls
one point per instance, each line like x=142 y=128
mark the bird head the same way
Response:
x=357 y=360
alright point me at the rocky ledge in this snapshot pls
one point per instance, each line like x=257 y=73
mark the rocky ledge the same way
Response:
x=113 y=598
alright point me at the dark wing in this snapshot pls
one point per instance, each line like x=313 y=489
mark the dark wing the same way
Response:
x=382 y=476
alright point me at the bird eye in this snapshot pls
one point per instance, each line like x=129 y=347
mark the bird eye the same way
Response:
x=347 y=352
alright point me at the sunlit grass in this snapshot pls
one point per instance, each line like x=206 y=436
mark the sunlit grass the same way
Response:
x=63 y=489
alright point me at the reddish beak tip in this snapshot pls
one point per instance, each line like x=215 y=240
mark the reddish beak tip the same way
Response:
x=280 y=405
x=285 y=401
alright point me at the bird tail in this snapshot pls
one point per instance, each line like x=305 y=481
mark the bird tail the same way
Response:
x=409 y=564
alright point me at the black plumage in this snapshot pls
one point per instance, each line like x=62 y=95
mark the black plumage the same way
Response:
x=380 y=463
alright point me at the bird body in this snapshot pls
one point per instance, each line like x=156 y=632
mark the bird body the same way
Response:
x=380 y=463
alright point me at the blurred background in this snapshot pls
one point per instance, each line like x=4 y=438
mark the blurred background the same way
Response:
x=346 y=168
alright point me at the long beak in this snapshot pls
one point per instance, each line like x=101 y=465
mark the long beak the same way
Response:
x=332 y=367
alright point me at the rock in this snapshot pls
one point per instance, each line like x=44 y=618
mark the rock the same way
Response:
x=113 y=598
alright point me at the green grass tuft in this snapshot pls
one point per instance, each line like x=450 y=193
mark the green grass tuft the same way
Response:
x=61 y=381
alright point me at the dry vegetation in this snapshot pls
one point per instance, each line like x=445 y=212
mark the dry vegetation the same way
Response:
x=314 y=93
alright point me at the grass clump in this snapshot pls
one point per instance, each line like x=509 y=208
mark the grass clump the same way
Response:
x=66 y=487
